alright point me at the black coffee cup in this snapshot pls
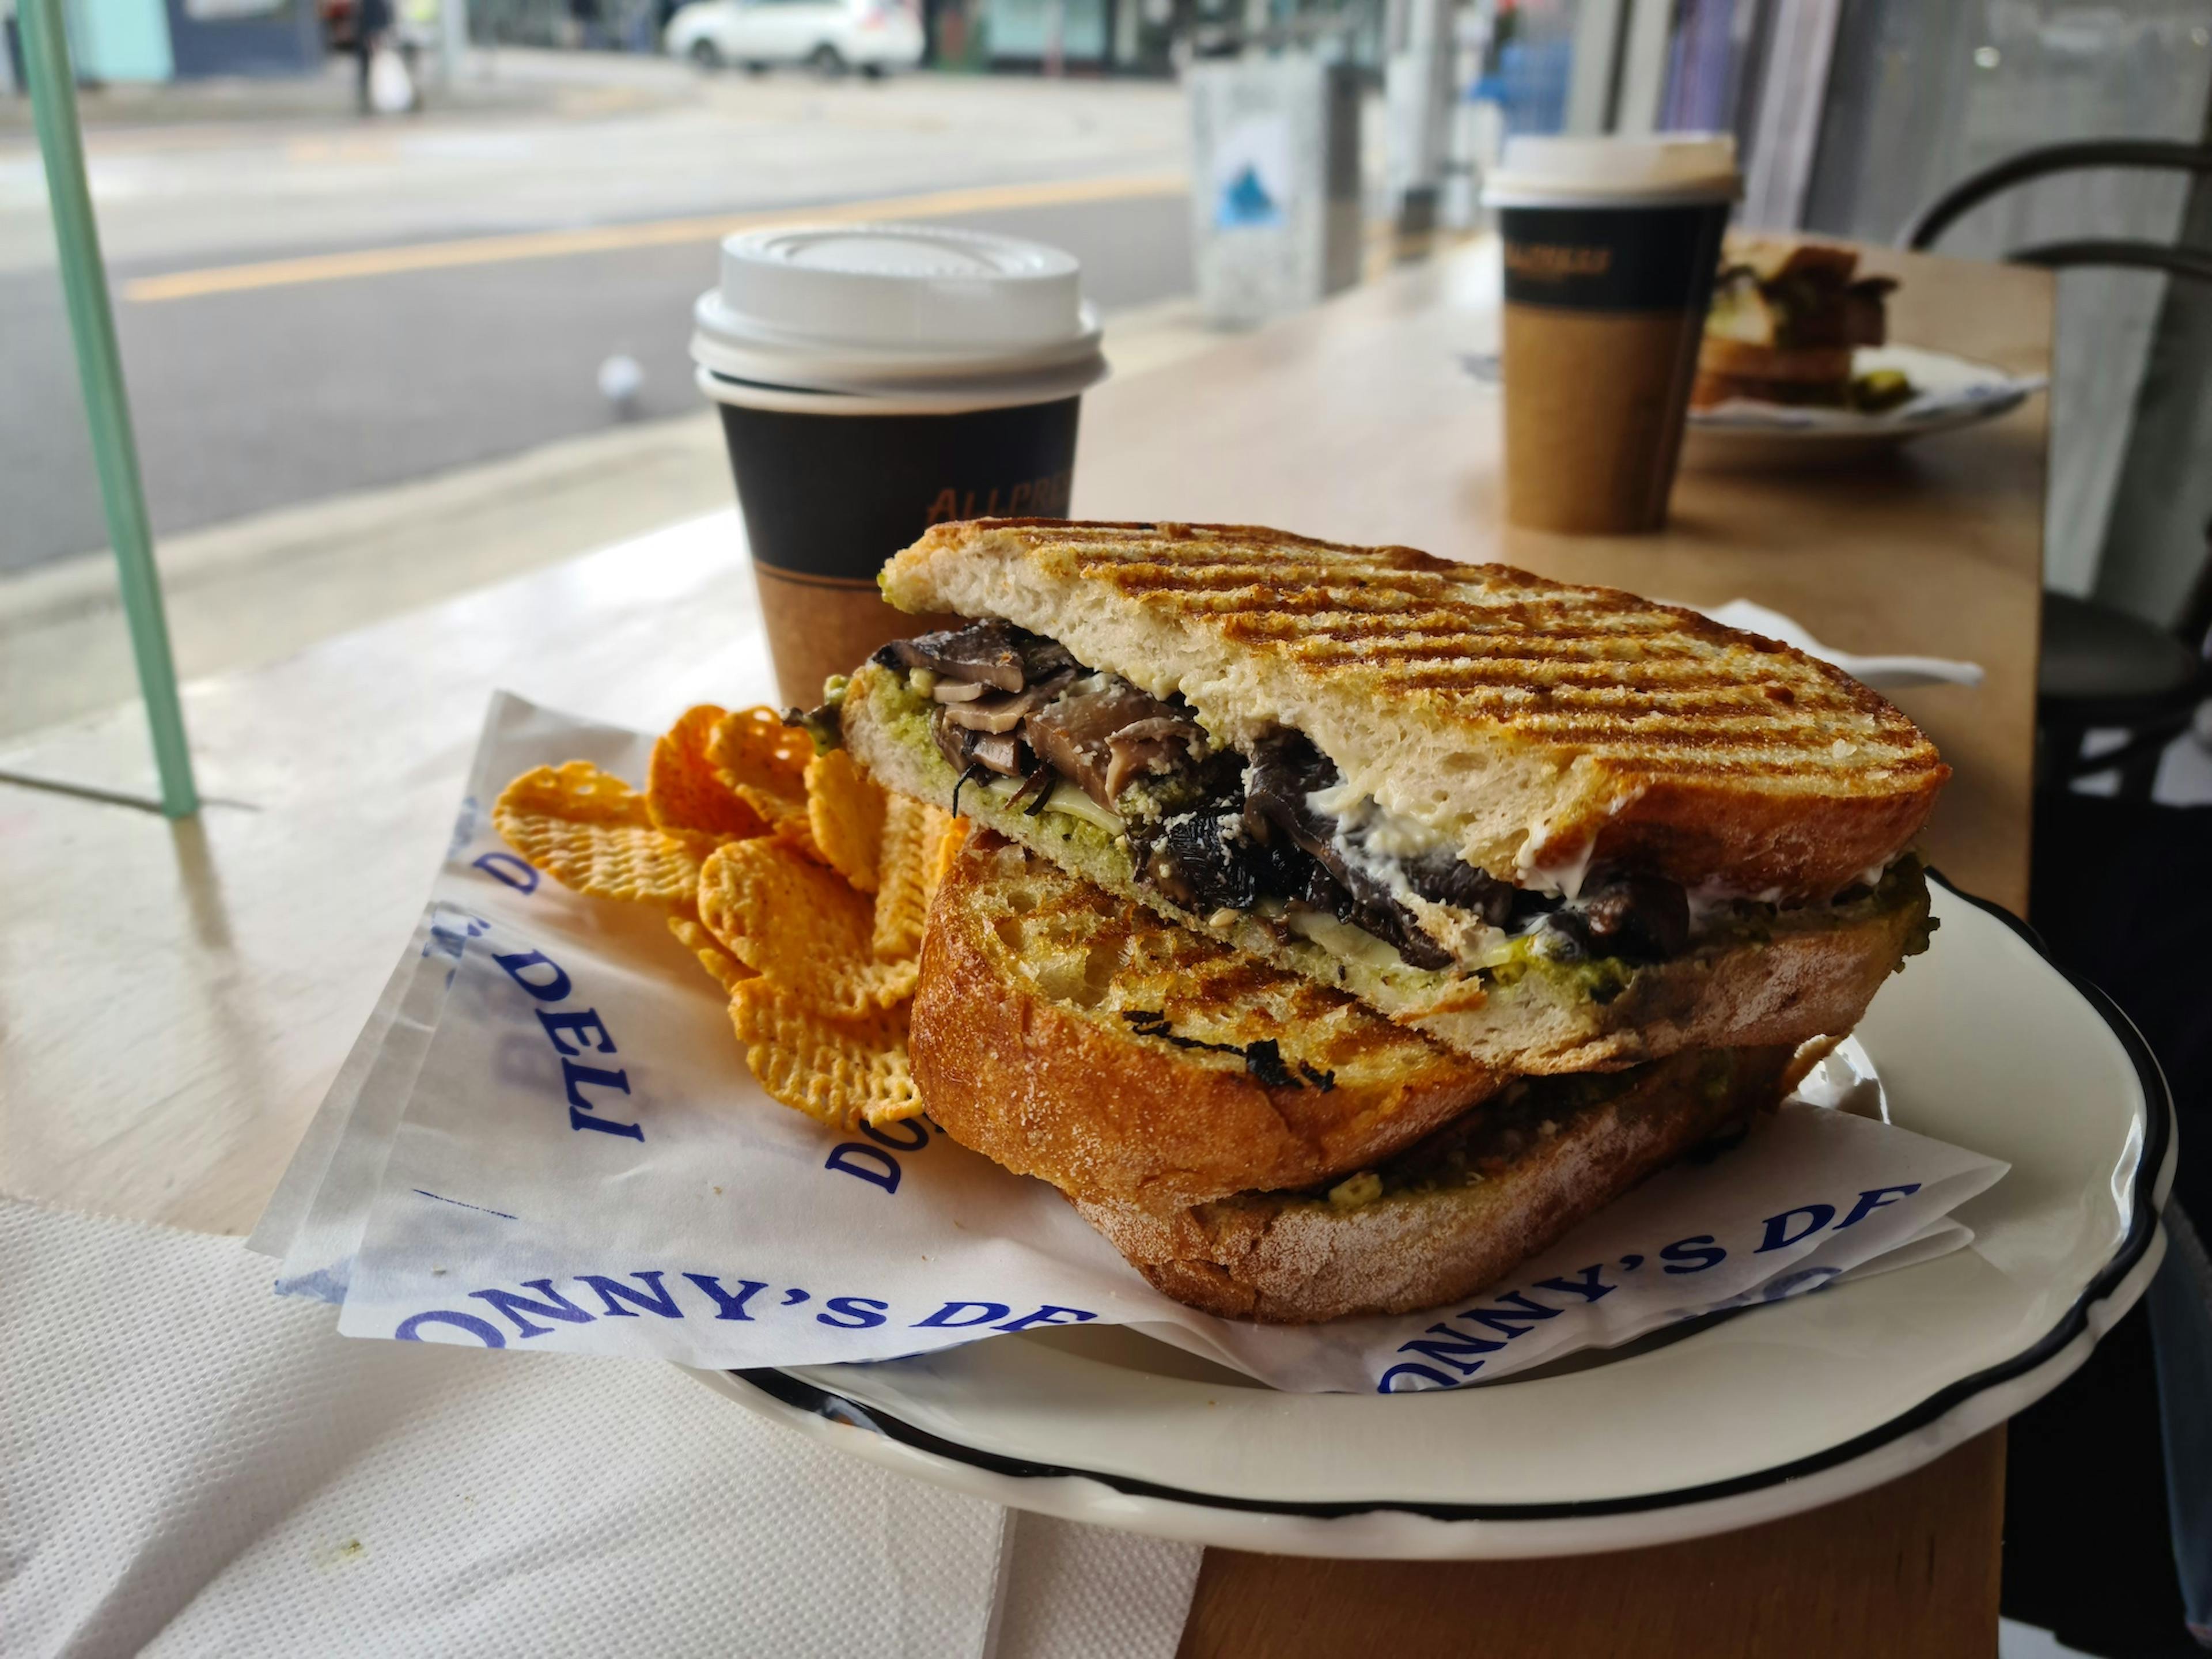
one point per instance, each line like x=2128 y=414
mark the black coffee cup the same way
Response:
x=875 y=380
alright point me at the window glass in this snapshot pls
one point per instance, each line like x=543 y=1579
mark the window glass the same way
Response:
x=1923 y=96
x=65 y=652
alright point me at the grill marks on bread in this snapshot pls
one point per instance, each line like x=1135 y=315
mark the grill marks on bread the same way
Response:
x=1493 y=640
x=1047 y=923
x=1499 y=705
x=1022 y=1044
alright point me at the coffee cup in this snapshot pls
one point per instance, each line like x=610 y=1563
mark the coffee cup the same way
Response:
x=875 y=379
x=1610 y=246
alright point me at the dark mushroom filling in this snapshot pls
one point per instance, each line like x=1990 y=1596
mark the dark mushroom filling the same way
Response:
x=1212 y=829
x=1018 y=706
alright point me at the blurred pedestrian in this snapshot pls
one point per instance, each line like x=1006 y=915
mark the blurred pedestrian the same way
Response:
x=587 y=13
x=372 y=21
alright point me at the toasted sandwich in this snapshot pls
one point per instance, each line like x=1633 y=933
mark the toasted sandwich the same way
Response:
x=1258 y=1145
x=1785 y=319
x=1072 y=1035
x=1554 y=828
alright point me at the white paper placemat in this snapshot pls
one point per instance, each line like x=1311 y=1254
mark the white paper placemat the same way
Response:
x=581 y=1163
x=194 y=1467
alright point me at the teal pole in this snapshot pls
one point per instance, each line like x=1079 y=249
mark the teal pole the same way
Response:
x=106 y=407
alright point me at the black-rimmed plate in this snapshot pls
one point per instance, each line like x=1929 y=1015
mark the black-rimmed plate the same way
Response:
x=1981 y=1043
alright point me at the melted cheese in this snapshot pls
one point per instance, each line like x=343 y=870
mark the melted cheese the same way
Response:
x=1547 y=870
x=1064 y=799
x=1393 y=835
x=1342 y=938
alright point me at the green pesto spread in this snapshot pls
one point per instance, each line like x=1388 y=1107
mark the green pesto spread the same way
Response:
x=908 y=716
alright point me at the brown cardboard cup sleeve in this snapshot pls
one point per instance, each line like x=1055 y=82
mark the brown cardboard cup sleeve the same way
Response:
x=1604 y=308
x=827 y=497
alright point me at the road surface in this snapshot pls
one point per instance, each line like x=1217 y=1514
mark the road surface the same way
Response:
x=308 y=305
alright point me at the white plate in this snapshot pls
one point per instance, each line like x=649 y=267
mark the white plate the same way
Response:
x=1744 y=1417
x=1953 y=392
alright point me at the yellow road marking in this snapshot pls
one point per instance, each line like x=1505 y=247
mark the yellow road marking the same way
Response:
x=558 y=244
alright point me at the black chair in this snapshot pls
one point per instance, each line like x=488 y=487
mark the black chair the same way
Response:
x=2102 y=667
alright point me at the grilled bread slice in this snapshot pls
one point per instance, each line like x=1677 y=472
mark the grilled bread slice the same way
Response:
x=1780 y=976
x=1453 y=1214
x=1534 y=726
x=1069 y=1035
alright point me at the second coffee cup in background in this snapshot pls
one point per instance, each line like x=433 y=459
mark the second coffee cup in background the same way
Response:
x=875 y=379
x=1610 y=250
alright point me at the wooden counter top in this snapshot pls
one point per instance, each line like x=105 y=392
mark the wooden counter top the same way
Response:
x=175 y=998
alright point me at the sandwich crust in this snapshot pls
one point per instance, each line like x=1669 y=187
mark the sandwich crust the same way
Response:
x=1537 y=726
x=1542 y=1160
x=1068 y=1034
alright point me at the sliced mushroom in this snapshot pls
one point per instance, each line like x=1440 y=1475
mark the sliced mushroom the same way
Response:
x=1001 y=714
x=1637 y=917
x=963 y=747
x=1004 y=713
x=1000 y=751
x=952 y=743
x=987 y=652
x=1133 y=749
x=1286 y=769
x=1076 y=733
x=1043 y=660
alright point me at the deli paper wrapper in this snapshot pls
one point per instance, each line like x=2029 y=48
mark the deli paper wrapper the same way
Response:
x=550 y=1140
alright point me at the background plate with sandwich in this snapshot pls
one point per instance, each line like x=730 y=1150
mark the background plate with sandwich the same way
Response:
x=1796 y=367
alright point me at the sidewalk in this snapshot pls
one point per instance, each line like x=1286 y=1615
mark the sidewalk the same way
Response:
x=498 y=79
x=252 y=592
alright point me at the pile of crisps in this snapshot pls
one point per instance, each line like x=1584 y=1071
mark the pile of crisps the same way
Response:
x=799 y=885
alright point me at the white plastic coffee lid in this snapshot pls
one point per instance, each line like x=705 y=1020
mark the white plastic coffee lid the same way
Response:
x=882 y=308
x=1668 y=167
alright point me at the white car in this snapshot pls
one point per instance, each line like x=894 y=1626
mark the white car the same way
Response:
x=830 y=36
